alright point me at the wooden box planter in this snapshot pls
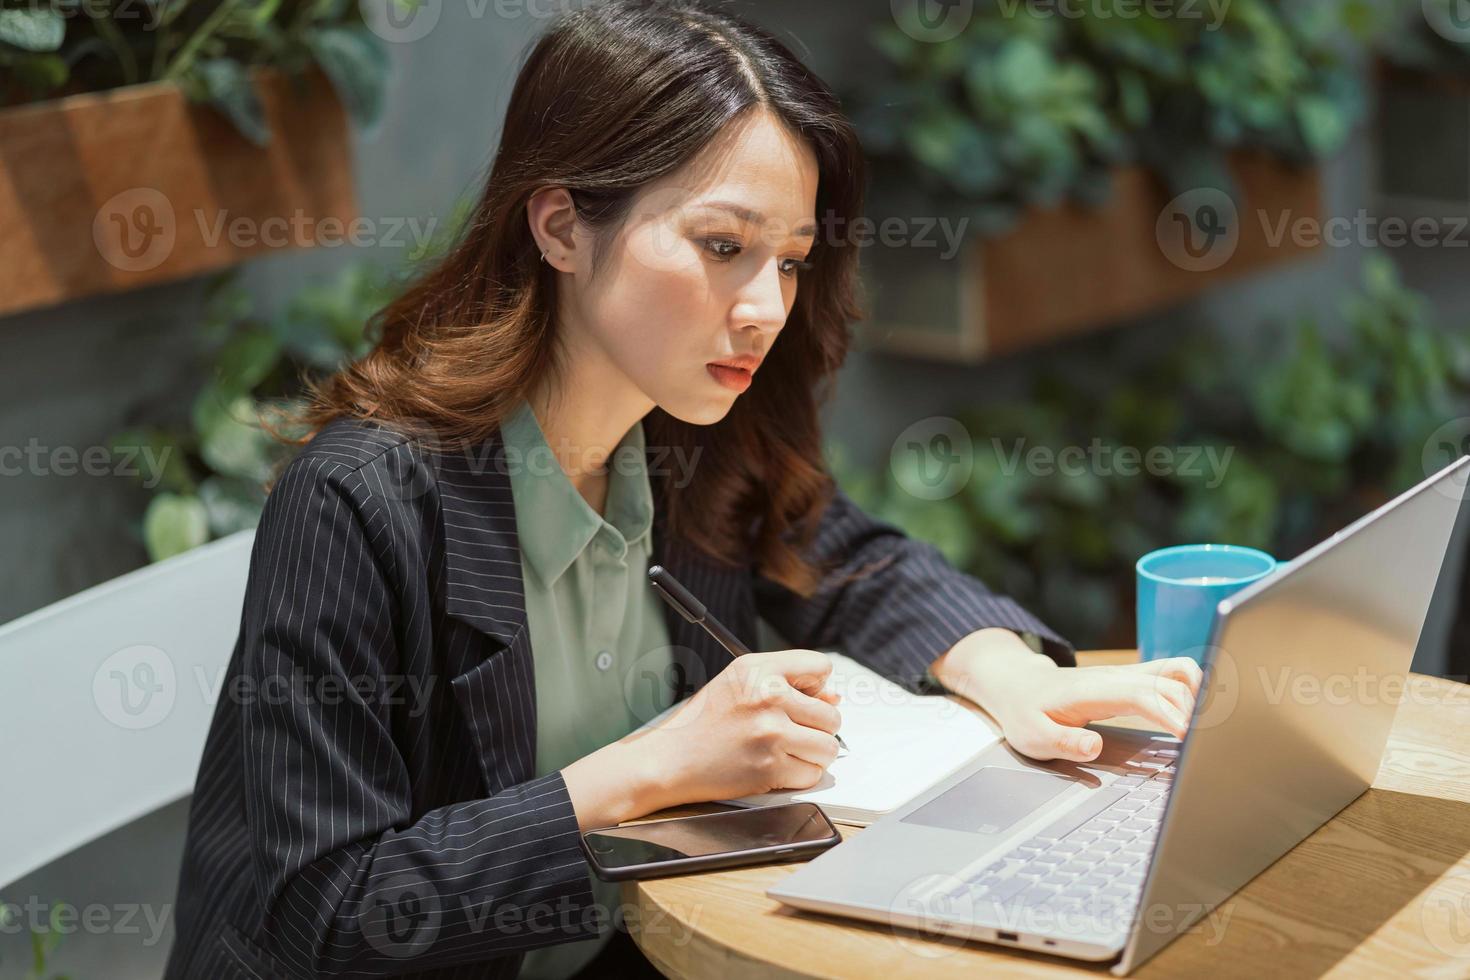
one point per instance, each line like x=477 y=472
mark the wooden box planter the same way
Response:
x=109 y=191
x=1068 y=270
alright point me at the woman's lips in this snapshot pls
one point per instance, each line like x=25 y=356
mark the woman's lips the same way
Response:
x=736 y=379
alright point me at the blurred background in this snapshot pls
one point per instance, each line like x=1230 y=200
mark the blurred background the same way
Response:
x=1139 y=273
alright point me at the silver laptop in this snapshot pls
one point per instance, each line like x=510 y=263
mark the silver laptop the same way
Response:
x=1113 y=859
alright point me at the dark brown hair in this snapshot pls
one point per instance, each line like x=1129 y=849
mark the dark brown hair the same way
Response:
x=610 y=98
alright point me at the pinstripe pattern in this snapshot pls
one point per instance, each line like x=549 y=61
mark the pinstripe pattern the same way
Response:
x=365 y=804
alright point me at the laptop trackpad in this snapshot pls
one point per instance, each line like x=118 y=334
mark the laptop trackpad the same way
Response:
x=990 y=800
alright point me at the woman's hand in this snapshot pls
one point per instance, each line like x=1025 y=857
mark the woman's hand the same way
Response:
x=764 y=723
x=1041 y=707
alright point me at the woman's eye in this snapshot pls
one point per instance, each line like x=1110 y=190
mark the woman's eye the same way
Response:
x=797 y=266
x=724 y=250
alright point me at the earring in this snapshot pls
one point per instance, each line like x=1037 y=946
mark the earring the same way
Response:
x=543 y=256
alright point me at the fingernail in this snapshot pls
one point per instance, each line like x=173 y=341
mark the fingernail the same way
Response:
x=1089 y=743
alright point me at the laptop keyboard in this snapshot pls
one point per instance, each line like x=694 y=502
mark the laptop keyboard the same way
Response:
x=1093 y=857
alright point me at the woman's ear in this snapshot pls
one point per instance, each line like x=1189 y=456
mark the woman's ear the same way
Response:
x=553 y=219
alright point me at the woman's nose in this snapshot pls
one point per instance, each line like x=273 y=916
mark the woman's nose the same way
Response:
x=763 y=301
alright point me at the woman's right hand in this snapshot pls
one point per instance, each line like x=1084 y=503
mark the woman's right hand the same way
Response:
x=764 y=723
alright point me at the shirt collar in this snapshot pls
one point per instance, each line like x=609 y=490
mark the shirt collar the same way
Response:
x=554 y=522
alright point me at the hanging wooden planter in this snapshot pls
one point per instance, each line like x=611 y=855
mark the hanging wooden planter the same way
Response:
x=110 y=191
x=1072 y=269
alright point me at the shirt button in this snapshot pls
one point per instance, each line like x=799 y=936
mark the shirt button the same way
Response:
x=604 y=660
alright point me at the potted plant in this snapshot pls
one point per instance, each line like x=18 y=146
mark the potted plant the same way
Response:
x=1102 y=166
x=212 y=467
x=144 y=142
x=1273 y=447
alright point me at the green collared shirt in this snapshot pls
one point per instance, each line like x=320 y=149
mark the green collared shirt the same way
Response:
x=596 y=626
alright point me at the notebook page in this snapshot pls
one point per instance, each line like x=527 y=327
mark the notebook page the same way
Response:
x=899 y=744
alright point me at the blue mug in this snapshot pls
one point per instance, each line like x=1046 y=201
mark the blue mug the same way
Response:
x=1178 y=589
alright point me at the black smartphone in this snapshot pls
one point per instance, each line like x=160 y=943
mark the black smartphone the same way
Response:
x=678 y=845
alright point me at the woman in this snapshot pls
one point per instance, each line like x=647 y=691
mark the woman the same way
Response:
x=447 y=628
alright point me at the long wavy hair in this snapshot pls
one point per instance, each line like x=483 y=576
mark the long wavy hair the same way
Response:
x=609 y=98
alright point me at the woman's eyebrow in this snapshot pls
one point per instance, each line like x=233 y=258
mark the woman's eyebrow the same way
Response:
x=808 y=230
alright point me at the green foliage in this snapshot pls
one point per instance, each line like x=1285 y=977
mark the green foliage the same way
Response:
x=216 y=465
x=1273 y=448
x=50 y=48
x=1030 y=107
x=43 y=941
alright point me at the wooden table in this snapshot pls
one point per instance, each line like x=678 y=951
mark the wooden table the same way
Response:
x=1382 y=889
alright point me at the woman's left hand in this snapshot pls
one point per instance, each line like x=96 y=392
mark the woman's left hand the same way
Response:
x=1041 y=707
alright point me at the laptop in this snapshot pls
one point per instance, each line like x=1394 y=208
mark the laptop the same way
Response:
x=1112 y=859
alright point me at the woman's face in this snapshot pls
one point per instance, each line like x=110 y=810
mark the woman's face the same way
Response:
x=689 y=280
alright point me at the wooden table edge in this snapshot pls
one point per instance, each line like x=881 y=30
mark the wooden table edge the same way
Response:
x=735 y=962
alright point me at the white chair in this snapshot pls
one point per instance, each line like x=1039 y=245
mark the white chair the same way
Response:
x=107 y=696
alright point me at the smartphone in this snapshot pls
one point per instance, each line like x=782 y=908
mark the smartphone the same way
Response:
x=678 y=845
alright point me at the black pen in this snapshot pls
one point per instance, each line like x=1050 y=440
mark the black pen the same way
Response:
x=694 y=611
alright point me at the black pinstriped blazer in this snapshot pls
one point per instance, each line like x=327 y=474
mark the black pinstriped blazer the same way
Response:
x=365 y=805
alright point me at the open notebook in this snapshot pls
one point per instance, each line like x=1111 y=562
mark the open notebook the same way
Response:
x=899 y=744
